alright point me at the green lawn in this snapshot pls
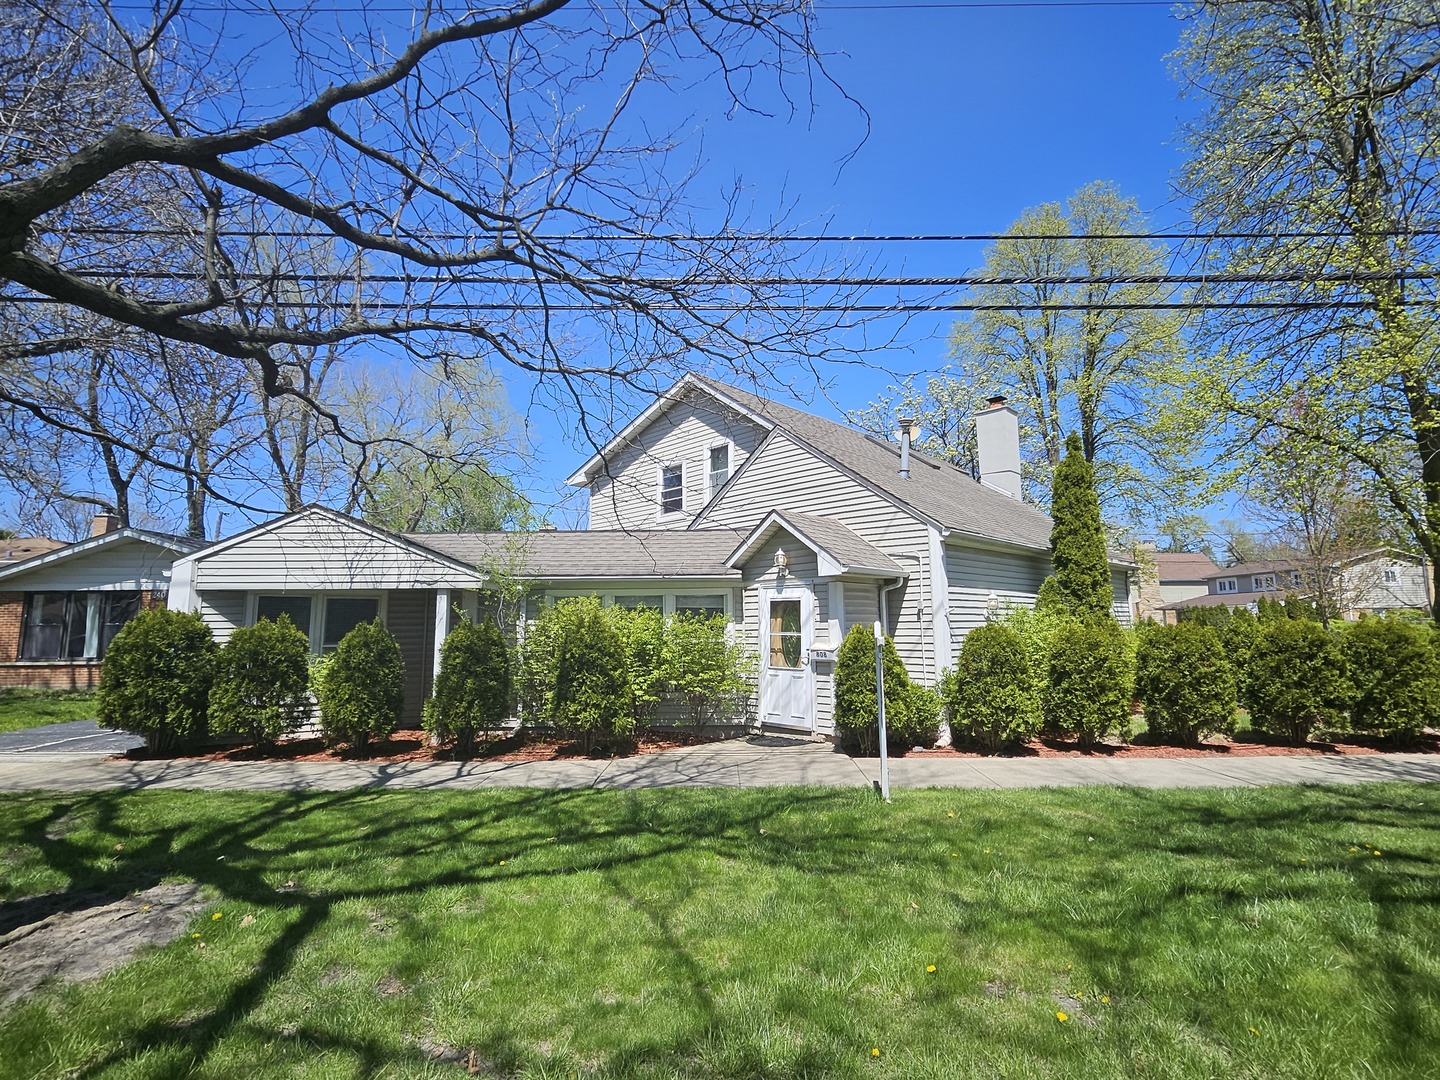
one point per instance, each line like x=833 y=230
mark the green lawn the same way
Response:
x=1281 y=932
x=21 y=709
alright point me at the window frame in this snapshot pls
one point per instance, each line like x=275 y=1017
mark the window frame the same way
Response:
x=92 y=606
x=319 y=601
x=1227 y=585
x=608 y=597
x=712 y=488
x=660 y=507
x=1262 y=583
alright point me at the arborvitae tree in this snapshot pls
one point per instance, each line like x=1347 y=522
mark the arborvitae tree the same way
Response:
x=1081 y=581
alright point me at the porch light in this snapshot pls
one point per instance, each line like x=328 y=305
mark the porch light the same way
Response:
x=782 y=562
x=992 y=607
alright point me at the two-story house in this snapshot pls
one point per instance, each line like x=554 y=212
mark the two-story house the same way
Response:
x=713 y=499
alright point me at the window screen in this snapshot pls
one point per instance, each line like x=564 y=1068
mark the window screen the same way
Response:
x=296 y=607
x=702 y=604
x=719 y=467
x=54 y=626
x=672 y=489
x=343 y=614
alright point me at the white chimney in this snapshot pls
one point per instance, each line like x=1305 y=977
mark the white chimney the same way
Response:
x=997 y=442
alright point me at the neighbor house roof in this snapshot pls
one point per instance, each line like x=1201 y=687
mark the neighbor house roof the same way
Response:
x=1273 y=566
x=593 y=554
x=17 y=548
x=838 y=549
x=947 y=495
x=1177 y=566
x=1229 y=599
x=180 y=545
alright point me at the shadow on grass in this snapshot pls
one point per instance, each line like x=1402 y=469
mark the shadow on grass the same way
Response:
x=235 y=854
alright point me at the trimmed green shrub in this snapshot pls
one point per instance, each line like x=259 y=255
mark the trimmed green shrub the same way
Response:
x=592 y=697
x=1396 y=675
x=535 y=667
x=361 y=687
x=472 y=689
x=712 y=675
x=155 y=681
x=261 y=688
x=1036 y=627
x=911 y=718
x=989 y=693
x=642 y=637
x=1090 y=682
x=1184 y=678
x=1295 y=680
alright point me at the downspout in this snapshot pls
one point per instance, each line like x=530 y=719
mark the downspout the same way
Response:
x=885 y=591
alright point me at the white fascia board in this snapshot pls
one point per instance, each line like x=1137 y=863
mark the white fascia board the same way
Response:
x=91 y=544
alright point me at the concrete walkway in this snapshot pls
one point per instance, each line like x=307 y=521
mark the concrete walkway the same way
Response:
x=753 y=762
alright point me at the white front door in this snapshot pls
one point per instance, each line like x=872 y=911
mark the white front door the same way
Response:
x=787 y=679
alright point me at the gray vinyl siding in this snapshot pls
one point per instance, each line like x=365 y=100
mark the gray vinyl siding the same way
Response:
x=323 y=554
x=1120 y=604
x=626 y=494
x=223 y=612
x=975 y=573
x=785 y=475
x=410 y=617
x=126 y=566
x=862 y=606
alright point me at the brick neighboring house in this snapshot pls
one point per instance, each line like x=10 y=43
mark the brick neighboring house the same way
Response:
x=60 y=607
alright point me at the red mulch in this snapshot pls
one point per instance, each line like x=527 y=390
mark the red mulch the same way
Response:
x=412 y=746
x=1247 y=744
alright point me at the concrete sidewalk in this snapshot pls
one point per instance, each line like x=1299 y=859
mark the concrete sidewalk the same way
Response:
x=752 y=762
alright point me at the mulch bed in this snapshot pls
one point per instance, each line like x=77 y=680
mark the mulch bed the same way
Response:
x=1246 y=744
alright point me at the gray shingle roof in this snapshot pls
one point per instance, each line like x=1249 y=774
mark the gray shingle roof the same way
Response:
x=839 y=542
x=594 y=553
x=1184 y=566
x=936 y=489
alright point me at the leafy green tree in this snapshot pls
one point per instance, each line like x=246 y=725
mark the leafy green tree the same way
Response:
x=712 y=675
x=1081 y=581
x=592 y=696
x=1186 y=682
x=1313 y=152
x=261 y=688
x=156 y=679
x=361 y=690
x=472 y=689
x=642 y=634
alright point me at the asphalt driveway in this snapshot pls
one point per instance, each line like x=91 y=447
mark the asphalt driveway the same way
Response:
x=83 y=737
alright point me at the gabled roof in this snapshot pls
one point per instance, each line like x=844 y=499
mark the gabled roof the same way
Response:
x=1184 y=566
x=180 y=545
x=1273 y=566
x=838 y=550
x=594 y=554
x=401 y=540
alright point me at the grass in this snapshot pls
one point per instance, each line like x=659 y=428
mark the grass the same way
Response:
x=20 y=709
x=1279 y=932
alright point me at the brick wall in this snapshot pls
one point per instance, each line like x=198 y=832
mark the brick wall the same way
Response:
x=12 y=607
x=51 y=675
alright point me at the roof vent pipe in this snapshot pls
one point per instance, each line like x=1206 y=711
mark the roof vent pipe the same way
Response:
x=909 y=429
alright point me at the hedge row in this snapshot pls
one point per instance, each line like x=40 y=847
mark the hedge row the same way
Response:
x=1048 y=673
x=165 y=680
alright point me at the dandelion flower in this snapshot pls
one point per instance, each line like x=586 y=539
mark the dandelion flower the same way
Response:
x=1254 y=1031
x=874 y=1051
x=954 y=854
x=1063 y=1017
x=1376 y=854
x=930 y=968
x=144 y=907
x=1104 y=999
x=194 y=935
x=1354 y=848
x=502 y=862
x=987 y=851
x=217 y=916
x=951 y=814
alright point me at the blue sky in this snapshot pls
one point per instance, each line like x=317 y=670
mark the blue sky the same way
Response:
x=975 y=115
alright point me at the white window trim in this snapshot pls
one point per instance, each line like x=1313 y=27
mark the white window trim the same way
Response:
x=1227 y=585
x=1262 y=582
x=729 y=444
x=318 y=599
x=660 y=512
x=667 y=597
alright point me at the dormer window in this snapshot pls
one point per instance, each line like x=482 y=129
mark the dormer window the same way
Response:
x=719 y=466
x=672 y=489
x=1225 y=585
x=1262 y=582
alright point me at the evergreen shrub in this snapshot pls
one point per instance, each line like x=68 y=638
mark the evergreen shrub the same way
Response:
x=591 y=697
x=361 y=687
x=155 y=681
x=1295 y=679
x=989 y=693
x=1081 y=582
x=472 y=689
x=912 y=713
x=1091 y=679
x=261 y=688
x=1185 y=680
x=1396 y=675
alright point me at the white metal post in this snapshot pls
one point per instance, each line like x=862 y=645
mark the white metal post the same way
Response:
x=880 y=699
